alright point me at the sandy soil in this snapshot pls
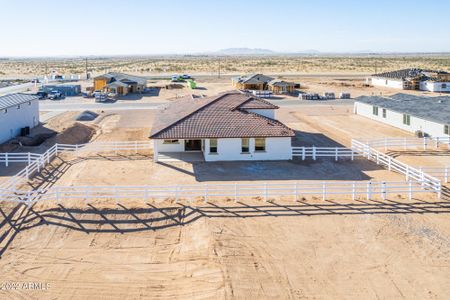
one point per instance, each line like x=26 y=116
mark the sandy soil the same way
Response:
x=312 y=249
x=240 y=251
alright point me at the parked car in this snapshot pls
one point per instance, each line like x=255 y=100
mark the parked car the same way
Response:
x=55 y=95
x=101 y=97
x=97 y=92
x=42 y=95
x=175 y=78
x=185 y=76
x=36 y=80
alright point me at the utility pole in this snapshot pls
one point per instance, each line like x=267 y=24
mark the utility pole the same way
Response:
x=219 y=68
x=86 y=69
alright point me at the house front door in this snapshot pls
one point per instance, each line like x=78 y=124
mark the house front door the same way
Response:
x=192 y=145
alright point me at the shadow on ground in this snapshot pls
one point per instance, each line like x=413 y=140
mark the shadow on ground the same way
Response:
x=123 y=219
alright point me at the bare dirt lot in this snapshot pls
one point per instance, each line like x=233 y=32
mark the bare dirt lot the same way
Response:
x=312 y=249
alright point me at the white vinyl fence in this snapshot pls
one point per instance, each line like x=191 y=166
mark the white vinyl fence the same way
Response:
x=392 y=164
x=439 y=172
x=315 y=152
x=408 y=143
x=368 y=190
x=416 y=181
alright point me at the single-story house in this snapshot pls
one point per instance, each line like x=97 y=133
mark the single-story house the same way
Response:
x=279 y=86
x=17 y=111
x=430 y=115
x=119 y=83
x=251 y=82
x=228 y=127
x=413 y=79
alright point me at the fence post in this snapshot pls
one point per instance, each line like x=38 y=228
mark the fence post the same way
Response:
x=353 y=191
x=27 y=172
x=206 y=192
x=407 y=172
x=324 y=191
x=422 y=178
x=378 y=158
x=369 y=190
x=424 y=143
x=410 y=193
x=336 y=154
x=135 y=147
x=296 y=191
x=29 y=158
x=383 y=190
x=353 y=155
x=389 y=162
x=265 y=191
x=303 y=153
x=314 y=152
x=446 y=174
x=6 y=159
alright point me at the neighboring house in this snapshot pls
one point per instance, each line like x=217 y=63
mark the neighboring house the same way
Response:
x=119 y=83
x=278 y=86
x=251 y=82
x=430 y=115
x=413 y=79
x=17 y=111
x=227 y=127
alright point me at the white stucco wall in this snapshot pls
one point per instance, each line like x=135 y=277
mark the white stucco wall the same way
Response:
x=269 y=113
x=396 y=84
x=396 y=119
x=169 y=147
x=277 y=148
x=14 y=119
x=435 y=86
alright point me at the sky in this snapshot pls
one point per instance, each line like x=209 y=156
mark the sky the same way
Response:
x=146 y=27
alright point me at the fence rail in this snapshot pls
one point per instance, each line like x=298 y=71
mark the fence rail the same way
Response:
x=266 y=191
x=407 y=143
x=392 y=164
x=315 y=152
x=439 y=172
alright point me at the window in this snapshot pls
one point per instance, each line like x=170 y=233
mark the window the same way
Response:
x=29 y=103
x=444 y=86
x=171 y=142
x=447 y=129
x=375 y=110
x=260 y=144
x=245 y=145
x=384 y=113
x=18 y=106
x=406 y=119
x=213 y=146
x=5 y=111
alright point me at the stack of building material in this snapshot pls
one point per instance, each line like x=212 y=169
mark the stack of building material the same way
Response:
x=345 y=95
x=329 y=96
x=262 y=94
x=309 y=96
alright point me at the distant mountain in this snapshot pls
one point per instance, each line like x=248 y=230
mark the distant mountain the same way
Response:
x=245 y=51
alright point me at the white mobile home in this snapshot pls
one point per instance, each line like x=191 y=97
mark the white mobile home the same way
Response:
x=16 y=112
x=229 y=127
x=430 y=115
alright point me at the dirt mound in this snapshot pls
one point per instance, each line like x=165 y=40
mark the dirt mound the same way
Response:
x=76 y=134
x=87 y=115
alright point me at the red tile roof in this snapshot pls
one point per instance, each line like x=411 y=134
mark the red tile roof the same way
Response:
x=222 y=116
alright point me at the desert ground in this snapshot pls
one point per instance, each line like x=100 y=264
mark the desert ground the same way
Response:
x=228 y=65
x=222 y=249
